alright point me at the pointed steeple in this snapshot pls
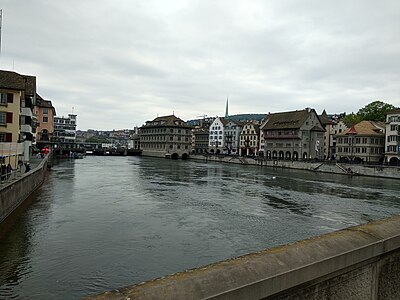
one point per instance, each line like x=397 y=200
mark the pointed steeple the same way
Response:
x=226 y=108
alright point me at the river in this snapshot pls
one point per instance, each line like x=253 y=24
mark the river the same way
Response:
x=101 y=223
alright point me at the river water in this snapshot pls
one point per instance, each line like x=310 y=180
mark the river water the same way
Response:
x=101 y=223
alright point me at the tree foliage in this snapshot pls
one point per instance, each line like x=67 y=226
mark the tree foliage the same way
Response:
x=374 y=111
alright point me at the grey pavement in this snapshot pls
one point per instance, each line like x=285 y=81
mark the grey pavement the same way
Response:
x=18 y=173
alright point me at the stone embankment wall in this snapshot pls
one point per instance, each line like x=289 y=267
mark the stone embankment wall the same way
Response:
x=13 y=193
x=324 y=167
x=361 y=262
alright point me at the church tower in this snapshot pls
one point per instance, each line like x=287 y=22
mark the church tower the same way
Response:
x=226 y=108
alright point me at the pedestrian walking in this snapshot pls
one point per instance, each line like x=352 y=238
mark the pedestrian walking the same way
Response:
x=9 y=170
x=3 y=172
x=27 y=167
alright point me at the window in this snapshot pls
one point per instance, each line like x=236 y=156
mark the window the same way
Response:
x=5 y=117
x=6 y=98
x=45 y=111
x=45 y=119
x=3 y=98
x=5 y=137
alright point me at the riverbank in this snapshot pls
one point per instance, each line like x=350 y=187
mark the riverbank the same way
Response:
x=314 y=166
x=15 y=190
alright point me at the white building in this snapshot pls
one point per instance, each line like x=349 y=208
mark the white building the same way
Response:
x=392 y=138
x=65 y=131
x=216 y=141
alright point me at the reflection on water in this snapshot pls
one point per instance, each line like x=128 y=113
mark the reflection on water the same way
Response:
x=105 y=222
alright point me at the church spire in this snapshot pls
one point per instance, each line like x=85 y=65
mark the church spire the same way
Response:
x=226 y=109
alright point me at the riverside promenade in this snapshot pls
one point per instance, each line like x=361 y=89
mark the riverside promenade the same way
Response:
x=16 y=189
x=314 y=166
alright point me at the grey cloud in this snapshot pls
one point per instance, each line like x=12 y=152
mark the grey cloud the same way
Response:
x=132 y=59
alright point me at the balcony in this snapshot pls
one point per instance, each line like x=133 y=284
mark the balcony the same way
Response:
x=26 y=111
x=26 y=128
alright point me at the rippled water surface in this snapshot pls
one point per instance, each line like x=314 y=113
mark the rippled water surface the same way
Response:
x=100 y=223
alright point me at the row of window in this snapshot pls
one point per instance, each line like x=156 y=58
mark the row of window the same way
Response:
x=62 y=121
x=161 y=146
x=161 y=130
x=251 y=143
x=358 y=140
x=393 y=148
x=163 y=138
x=375 y=150
x=250 y=137
x=394 y=119
x=393 y=138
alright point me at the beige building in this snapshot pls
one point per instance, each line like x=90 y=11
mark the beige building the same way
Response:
x=364 y=141
x=392 y=149
x=249 y=139
x=166 y=136
x=17 y=124
x=293 y=135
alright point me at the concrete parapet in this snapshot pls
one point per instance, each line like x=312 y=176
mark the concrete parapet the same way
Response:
x=361 y=262
x=13 y=193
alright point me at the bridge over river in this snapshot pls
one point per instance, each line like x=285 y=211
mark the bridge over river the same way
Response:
x=101 y=223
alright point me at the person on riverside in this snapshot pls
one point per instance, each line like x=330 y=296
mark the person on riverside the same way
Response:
x=27 y=167
x=9 y=170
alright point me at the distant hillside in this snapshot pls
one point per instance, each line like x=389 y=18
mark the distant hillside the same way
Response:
x=247 y=117
x=240 y=118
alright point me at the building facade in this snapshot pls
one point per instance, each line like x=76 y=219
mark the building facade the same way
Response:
x=200 y=140
x=200 y=135
x=166 y=136
x=249 y=139
x=363 y=142
x=333 y=125
x=64 y=135
x=293 y=135
x=232 y=131
x=17 y=122
x=392 y=149
x=216 y=140
x=45 y=113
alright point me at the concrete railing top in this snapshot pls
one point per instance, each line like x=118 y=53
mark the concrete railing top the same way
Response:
x=265 y=273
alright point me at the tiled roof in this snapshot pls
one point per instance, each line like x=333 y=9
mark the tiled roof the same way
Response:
x=11 y=80
x=286 y=120
x=14 y=81
x=166 y=121
x=394 y=111
x=366 y=128
x=30 y=87
x=325 y=120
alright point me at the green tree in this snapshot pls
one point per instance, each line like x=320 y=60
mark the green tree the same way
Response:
x=374 y=111
x=351 y=119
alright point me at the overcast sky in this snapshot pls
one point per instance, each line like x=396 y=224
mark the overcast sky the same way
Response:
x=120 y=63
